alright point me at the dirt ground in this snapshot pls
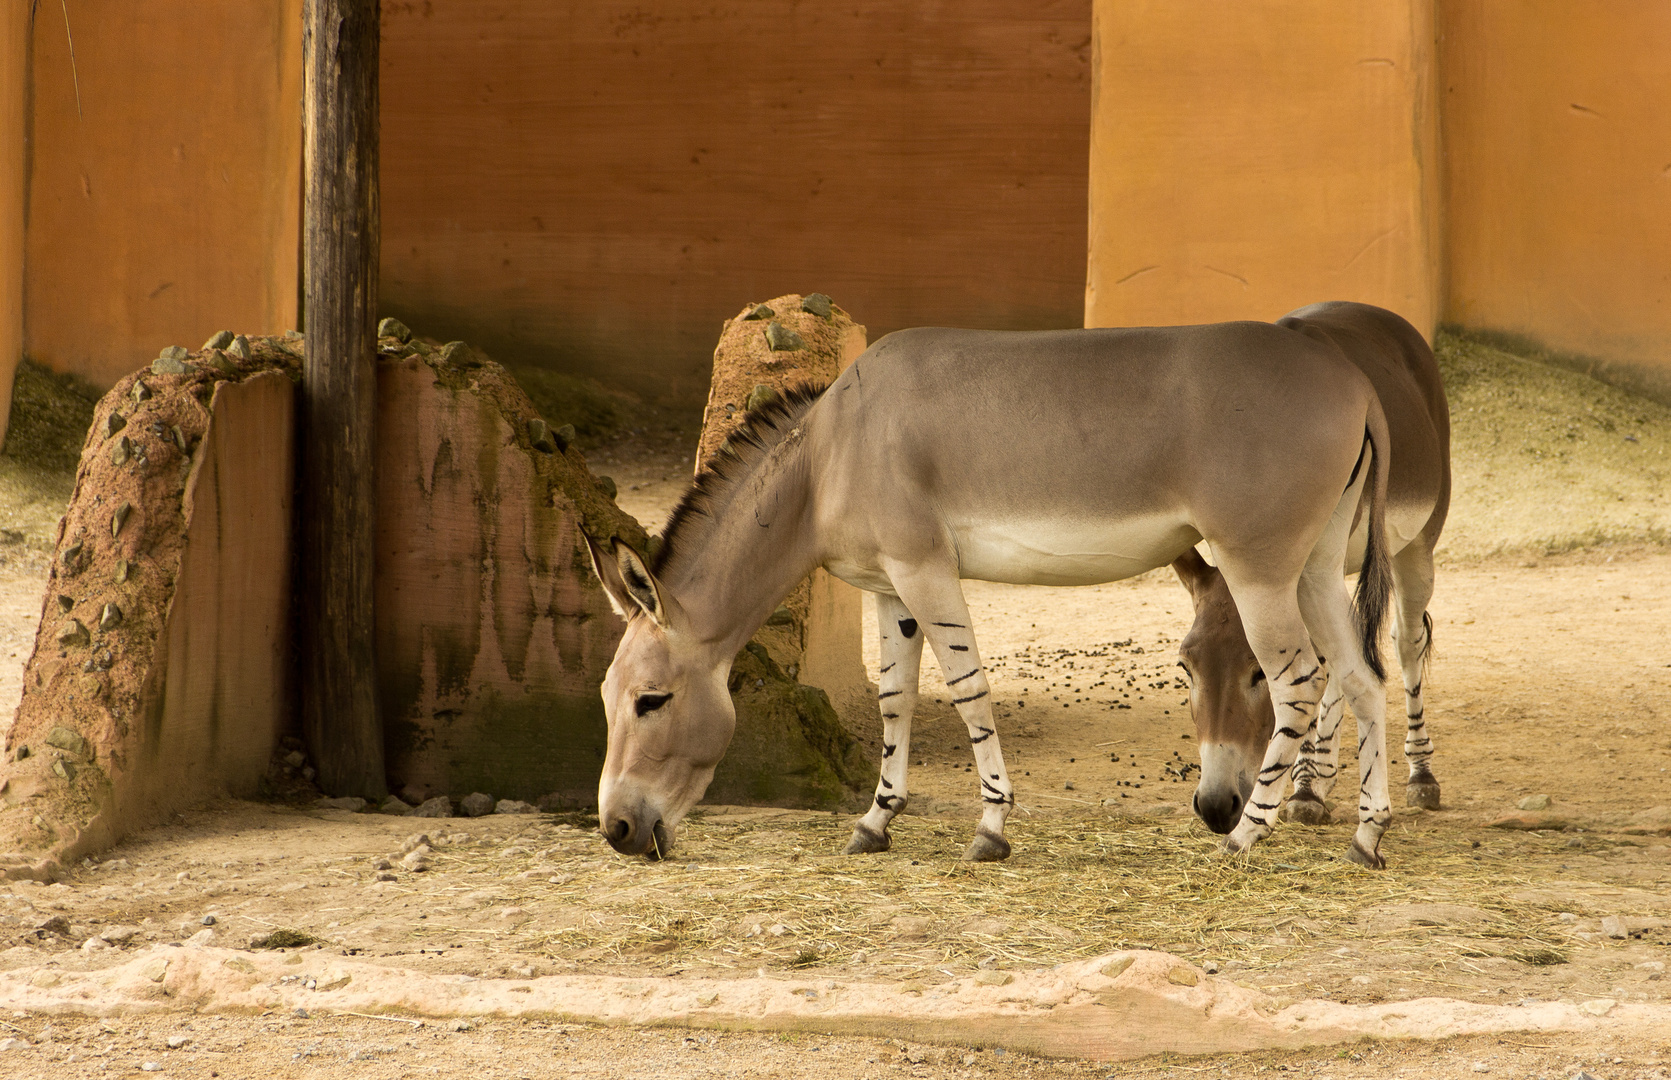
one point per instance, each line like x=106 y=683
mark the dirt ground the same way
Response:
x=1552 y=677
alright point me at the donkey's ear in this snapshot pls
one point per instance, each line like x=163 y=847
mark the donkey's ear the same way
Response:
x=642 y=586
x=603 y=565
x=1191 y=569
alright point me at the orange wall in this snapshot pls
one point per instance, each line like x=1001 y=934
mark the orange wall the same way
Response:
x=168 y=208
x=598 y=186
x=1557 y=129
x=14 y=90
x=1250 y=158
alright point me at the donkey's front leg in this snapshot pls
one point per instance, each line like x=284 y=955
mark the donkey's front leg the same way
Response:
x=1319 y=764
x=902 y=654
x=946 y=625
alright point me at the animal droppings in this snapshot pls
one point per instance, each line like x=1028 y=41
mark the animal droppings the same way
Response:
x=73 y=633
x=759 y=311
x=110 y=618
x=220 y=340
x=818 y=304
x=779 y=338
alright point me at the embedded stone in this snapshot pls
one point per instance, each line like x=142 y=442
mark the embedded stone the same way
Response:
x=73 y=633
x=70 y=554
x=172 y=361
x=65 y=603
x=123 y=571
x=781 y=616
x=1115 y=968
x=121 y=451
x=818 y=304
x=141 y=392
x=293 y=335
x=179 y=438
x=120 y=518
x=759 y=397
x=1533 y=802
x=114 y=423
x=439 y=806
x=993 y=978
x=564 y=437
x=218 y=361
x=63 y=769
x=1183 y=975
x=476 y=804
x=394 y=328
x=110 y=618
x=393 y=805
x=221 y=340
x=759 y=311
x=239 y=348
x=173 y=352
x=514 y=806
x=539 y=436
x=779 y=338
x=457 y=353
x=607 y=484
x=65 y=739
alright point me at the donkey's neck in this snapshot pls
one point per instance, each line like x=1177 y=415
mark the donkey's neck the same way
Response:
x=735 y=554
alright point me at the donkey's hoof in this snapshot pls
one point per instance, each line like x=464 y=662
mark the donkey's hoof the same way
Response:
x=1422 y=793
x=865 y=841
x=986 y=847
x=1370 y=859
x=1306 y=809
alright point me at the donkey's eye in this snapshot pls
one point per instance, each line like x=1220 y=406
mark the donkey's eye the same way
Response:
x=649 y=703
x=1187 y=671
x=1258 y=676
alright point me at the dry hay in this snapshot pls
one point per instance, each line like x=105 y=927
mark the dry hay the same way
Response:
x=762 y=889
x=1548 y=460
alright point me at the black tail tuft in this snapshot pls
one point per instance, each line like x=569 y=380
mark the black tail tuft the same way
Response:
x=1375 y=580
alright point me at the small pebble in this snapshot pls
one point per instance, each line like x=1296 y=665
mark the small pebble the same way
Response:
x=779 y=338
x=758 y=311
x=476 y=804
x=818 y=304
x=151 y=1066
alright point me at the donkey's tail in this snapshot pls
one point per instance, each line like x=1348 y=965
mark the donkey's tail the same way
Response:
x=1375 y=579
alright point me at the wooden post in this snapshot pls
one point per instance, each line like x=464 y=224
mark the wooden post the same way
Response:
x=338 y=681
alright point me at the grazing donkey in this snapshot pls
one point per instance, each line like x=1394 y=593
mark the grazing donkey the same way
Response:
x=1067 y=457
x=1229 y=696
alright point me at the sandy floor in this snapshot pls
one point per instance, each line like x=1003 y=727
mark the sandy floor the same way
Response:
x=1552 y=677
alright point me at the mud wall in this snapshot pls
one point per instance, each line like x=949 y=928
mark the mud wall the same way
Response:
x=1558 y=178
x=1248 y=159
x=492 y=633
x=593 y=186
x=163 y=178
x=14 y=52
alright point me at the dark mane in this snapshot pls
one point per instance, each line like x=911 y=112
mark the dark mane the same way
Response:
x=762 y=428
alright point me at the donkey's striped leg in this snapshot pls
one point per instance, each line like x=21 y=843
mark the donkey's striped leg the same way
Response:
x=946 y=625
x=902 y=654
x=1319 y=764
x=1295 y=677
x=1413 y=632
x=1328 y=612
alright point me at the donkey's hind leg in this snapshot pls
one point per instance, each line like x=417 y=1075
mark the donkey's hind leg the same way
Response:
x=1328 y=613
x=1413 y=631
x=1278 y=637
x=902 y=654
x=1319 y=764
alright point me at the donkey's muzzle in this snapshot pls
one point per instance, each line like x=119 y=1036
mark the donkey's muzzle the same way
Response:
x=1219 y=810
x=632 y=834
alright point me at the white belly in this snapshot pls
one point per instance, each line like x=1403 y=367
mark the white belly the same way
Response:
x=1068 y=551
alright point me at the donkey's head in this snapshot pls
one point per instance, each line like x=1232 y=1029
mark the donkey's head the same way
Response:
x=1228 y=697
x=670 y=714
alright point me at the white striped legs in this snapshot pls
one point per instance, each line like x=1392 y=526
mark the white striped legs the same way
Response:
x=902 y=654
x=1319 y=763
x=1295 y=677
x=1422 y=789
x=944 y=624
